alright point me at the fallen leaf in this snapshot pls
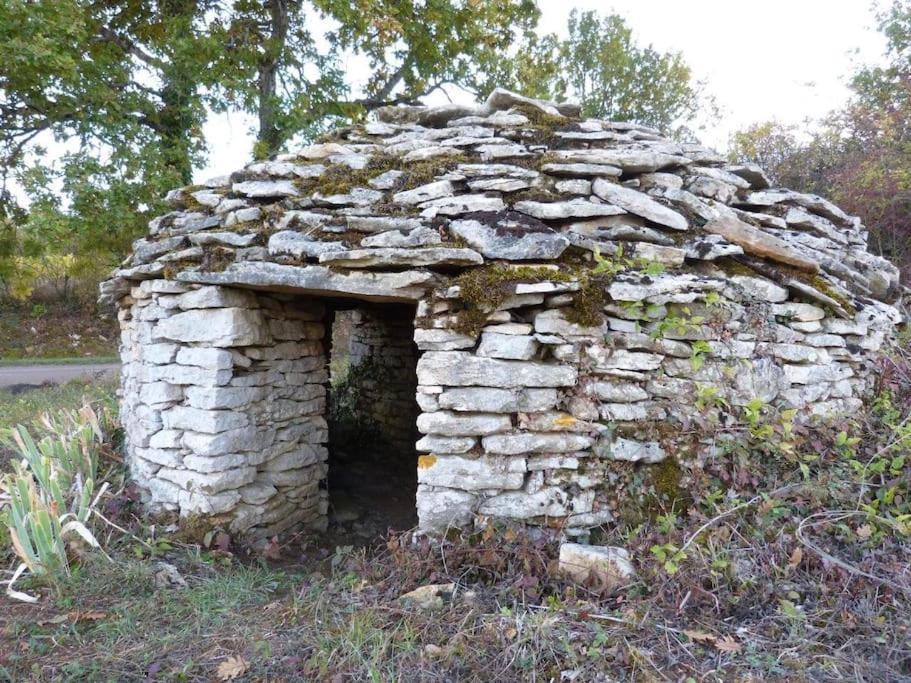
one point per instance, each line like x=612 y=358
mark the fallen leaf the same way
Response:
x=796 y=557
x=231 y=668
x=510 y=633
x=728 y=644
x=56 y=619
x=89 y=615
x=223 y=541
x=699 y=636
x=272 y=550
x=864 y=532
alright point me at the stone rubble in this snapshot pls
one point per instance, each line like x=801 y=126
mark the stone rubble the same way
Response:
x=223 y=310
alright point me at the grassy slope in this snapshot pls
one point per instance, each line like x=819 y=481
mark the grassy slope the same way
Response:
x=27 y=407
x=54 y=331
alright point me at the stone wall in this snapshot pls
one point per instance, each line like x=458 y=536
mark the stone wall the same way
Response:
x=223 y=403
x=224 y=397
x=528 y=419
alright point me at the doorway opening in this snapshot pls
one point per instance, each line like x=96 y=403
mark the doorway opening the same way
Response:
x=372 y=417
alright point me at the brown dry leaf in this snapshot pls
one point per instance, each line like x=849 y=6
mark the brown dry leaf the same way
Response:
x=89 y=615
x=56 y=619
x=272 y=550
x=864 y=532
x=728 y=644
x=231 y=668
x=766 y=506
x=699 y=636
x=510 y=633
x=796 y=557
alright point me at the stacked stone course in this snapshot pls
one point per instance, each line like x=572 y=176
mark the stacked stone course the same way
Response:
x=225 y=395
x=721 y=289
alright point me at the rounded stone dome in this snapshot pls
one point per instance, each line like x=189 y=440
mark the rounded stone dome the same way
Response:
x=577 y=284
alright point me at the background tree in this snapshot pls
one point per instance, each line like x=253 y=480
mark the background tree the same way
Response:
x=284 y=59
x=123 y=87
x=861 y=154
x=601 y=66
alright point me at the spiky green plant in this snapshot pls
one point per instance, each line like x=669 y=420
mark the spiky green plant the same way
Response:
x=49 y=495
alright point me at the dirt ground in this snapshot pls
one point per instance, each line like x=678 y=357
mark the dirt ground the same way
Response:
x=30 y=331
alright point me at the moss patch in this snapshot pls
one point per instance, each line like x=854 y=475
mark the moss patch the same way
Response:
x=651 y=490
x=341 y=179
x=589 y=301
x=216 y=259
x=483 y=289
x=542 y=127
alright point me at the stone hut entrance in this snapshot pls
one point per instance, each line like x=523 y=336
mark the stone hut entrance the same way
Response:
x=372 y=417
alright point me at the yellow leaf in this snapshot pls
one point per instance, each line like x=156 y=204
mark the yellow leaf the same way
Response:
x=90 y=615
x=796 y=557
x=699 y=636
x=231 y=668
x=728 y=644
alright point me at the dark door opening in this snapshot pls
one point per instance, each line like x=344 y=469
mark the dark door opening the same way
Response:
x=372 y=414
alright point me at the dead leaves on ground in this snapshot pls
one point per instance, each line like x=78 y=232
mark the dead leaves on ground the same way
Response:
x=73 y=617
x=232 y=668
x=723 y=643
x=795 y=559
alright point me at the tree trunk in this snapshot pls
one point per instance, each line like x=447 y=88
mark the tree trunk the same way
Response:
x=178 y=115
x=271 y=134
x=177 y=119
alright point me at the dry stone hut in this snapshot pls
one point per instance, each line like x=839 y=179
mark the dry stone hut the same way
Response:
x=527 y=302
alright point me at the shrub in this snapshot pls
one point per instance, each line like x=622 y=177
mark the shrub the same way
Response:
x=49 y=497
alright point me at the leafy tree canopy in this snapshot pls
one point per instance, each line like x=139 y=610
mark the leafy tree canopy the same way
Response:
x=861 y=154
x=601 y=66
x=124 y=86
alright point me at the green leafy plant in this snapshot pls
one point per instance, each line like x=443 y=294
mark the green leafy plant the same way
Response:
x=700 y=349
x=51 y=493
x=670 y=557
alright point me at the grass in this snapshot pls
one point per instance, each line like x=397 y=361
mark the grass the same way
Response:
x=26 y=407
x=340 y=619
x=787 y=561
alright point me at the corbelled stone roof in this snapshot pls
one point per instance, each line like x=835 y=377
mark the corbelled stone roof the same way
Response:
x=390 y=209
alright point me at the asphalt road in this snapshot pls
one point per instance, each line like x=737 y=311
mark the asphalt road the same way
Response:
x=20 y=376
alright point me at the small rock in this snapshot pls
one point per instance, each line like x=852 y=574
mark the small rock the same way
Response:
x=431 y=597
x=606 y=567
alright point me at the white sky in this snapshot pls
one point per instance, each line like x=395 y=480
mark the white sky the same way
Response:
x=761 y=59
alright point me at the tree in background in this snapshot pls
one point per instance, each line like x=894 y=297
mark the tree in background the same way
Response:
x=284 y=60
x=861 y=154
x=118 y=86
x=124 y=86
x=601 y=66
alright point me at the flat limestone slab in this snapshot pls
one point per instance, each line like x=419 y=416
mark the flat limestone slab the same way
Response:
x=391 y=287
x=384 y=257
